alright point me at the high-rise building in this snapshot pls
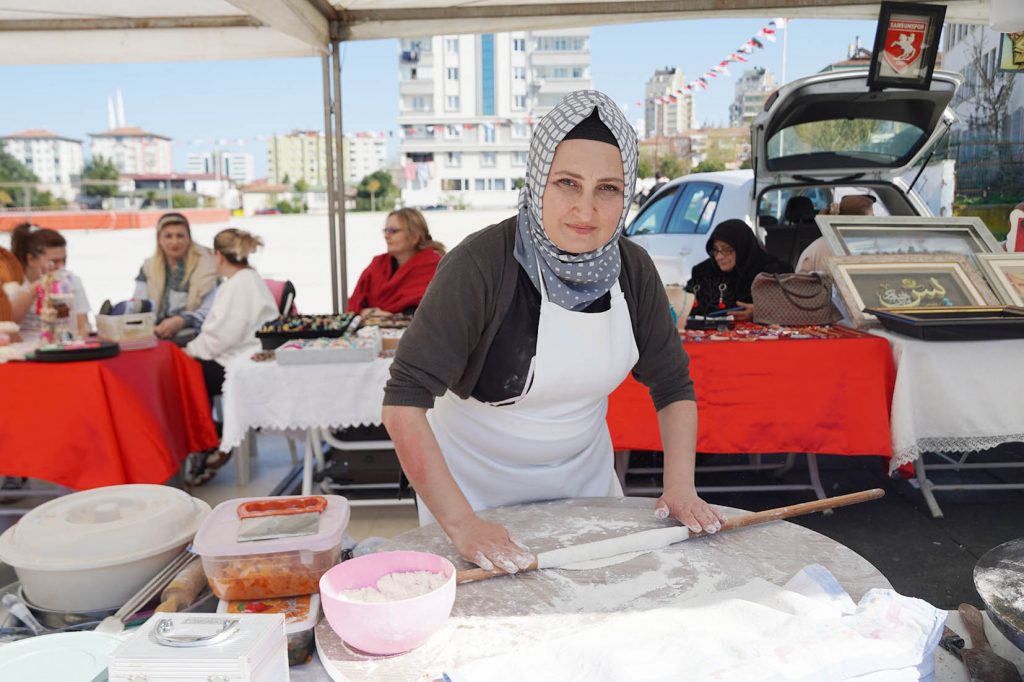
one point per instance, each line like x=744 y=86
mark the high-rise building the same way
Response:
x=367 y=153
x=752 y=89
x=468 y=103
x=299 y=155
x=237 y=167
x=668 y=112
x=132 y=150
x=55 y=160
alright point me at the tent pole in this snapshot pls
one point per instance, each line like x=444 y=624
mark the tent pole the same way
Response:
x=331 y=210
x=339 y=174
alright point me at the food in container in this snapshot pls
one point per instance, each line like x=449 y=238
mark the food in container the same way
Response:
x=386 y=627
x=276 y=332
x=92 y=550
x=301 y=614
x=263 y=569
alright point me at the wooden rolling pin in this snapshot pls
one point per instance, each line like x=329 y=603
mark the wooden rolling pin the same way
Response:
x=184 y=588
x=662 y=537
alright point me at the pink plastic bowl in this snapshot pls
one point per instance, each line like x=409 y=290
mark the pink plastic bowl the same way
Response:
x=386 y=627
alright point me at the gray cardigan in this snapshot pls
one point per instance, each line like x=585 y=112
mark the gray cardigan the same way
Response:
x=445 y=346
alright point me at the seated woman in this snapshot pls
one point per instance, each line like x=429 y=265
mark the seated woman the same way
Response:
x=180 y=278
x=723 y=280
x=40 y=251
x=242 y=305
x=395 y=281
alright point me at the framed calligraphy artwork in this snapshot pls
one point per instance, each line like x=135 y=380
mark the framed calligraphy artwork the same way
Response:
x=906 y=282
x=894 y=235
x=1005 y=272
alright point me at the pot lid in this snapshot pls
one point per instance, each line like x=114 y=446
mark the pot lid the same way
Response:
x=999 y=579
x=102 y=527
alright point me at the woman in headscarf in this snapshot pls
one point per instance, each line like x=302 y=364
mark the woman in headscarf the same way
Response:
x=499 y=389
x=395 y=281
x=180 y=278
x=722 y=282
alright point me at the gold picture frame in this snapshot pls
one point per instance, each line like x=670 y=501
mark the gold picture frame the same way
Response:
x=905 y=282
x=1005 y=274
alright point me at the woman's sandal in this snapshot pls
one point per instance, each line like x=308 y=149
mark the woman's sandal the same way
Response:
x=202 y=466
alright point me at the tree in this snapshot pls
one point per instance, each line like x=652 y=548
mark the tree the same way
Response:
x=14 y=171
x=301 y=186
x=105 y=173
x=745 y=164
x=644 y=168
x=183 y=200
x=709 y=166
x=991 y=90
x=671 y=167
x=384 y=194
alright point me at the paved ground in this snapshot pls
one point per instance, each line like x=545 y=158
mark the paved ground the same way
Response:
x=921 y=556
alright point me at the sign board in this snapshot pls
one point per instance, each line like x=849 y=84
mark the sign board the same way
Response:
x=906 y=45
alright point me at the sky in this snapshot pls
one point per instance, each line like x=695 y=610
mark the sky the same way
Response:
x=205 y=104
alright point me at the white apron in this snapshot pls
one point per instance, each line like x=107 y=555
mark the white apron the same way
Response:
x=552 y=441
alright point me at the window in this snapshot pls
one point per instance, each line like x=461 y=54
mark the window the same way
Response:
x=451 y=102
x=518 y=158
x=488 y=159
x=451 y=45
x=561 y=44
x=519 y=44
x=487 y=74
x=451 y=184
x=520 y=131
x=452 y=73
x=696 y=196
x=454 y=159
x=519 y=102
x=499 y=184
x=418 y=103
x=480 y=184
x=489 y=132
x=652 y=217
x=519 y=73
x=452 y=132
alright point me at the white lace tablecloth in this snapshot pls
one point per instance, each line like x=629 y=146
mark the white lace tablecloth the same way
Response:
x=293 y=397
x=954 y=396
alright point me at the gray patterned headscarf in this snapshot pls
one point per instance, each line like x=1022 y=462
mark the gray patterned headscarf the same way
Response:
x=573 y=280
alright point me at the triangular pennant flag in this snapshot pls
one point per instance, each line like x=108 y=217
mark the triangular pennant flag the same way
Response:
x=739 y=57
x=757 y=43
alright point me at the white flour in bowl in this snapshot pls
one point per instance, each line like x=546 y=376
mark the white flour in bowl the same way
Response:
x=397 y=586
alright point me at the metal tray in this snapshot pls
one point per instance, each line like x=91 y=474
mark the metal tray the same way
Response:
x=999 y=579
x=968 y=323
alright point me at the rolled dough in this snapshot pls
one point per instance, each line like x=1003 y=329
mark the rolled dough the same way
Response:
x=611 y=551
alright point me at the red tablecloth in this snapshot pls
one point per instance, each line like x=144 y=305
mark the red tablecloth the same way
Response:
x=821 y=396
x=128 y=419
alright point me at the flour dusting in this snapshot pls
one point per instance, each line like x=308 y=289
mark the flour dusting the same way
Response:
x=397 y=586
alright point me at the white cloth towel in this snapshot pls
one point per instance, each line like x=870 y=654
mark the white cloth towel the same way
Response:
x=808 y=630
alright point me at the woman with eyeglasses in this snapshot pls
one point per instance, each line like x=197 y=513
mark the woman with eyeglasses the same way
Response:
x=395 y=281
x=499 y=389
x=722 y=282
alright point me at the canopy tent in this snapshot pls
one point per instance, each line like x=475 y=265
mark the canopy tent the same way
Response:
x=106 y=31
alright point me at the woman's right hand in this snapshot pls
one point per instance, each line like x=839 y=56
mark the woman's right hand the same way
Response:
x=489 y=545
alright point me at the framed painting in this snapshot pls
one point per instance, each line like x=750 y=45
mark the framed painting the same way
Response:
x=894 y=235
x=906 y=43
x=1005 y=272
x=906 y=282
x=1011 y=52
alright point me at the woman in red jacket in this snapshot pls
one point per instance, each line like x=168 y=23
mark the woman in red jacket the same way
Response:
x=395 y=281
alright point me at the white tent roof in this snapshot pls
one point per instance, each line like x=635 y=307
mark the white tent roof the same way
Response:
x=58 y=31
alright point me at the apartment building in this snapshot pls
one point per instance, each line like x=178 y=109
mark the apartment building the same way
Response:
x=467 y=106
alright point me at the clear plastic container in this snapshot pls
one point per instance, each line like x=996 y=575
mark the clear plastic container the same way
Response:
x=264 y=569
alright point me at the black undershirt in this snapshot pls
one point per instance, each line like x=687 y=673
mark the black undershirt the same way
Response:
x=507 y=365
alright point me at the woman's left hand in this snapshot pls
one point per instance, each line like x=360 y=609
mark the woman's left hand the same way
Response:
x=690 y=509
x=745 y=315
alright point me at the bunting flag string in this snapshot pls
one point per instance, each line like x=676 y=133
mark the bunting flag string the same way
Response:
x=739 y=55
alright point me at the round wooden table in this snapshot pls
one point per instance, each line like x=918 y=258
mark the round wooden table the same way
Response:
x=499 y=615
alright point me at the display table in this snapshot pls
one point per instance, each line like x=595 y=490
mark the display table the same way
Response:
x=818 y=396
x=309 y=398
x=954 y=398
x=499 y=615
x=127 y=419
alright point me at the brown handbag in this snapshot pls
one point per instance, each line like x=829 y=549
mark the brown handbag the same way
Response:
x=793 y=299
